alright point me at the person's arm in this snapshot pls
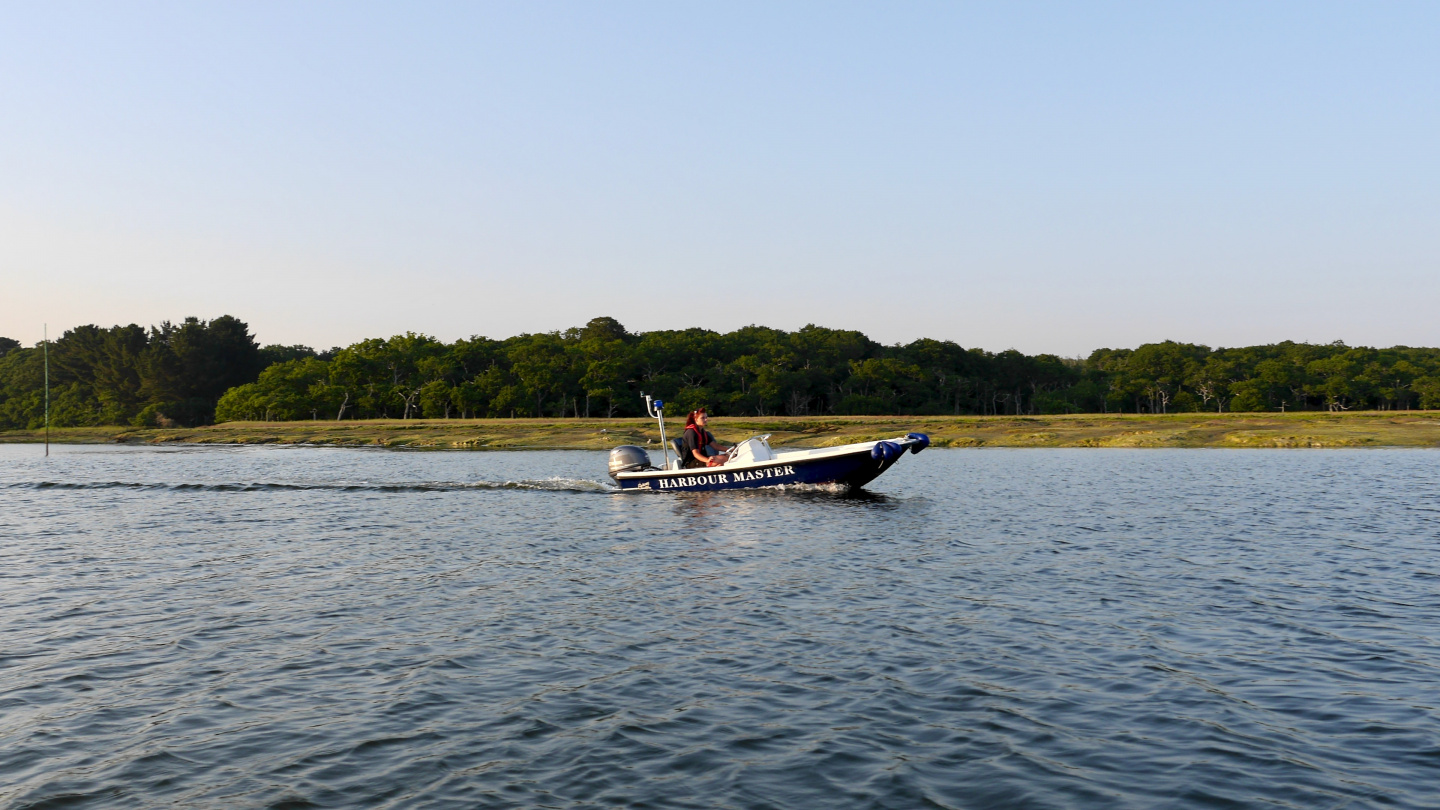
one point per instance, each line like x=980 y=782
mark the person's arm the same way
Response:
x=716 y=460
x=713 y=442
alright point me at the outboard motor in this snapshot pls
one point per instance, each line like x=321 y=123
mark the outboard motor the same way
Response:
x=628 y=458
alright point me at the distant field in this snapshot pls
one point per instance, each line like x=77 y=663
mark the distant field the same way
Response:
x=1354 y=429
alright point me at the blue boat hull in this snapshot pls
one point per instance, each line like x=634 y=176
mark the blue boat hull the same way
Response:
x=854 y=469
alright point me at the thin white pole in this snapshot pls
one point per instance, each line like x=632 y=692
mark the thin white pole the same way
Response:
x=46 y=344
x=659 y=413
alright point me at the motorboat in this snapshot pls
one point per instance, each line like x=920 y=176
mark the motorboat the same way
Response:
x=754 y=463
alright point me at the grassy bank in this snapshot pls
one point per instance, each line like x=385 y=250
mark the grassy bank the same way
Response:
x=1362 y=429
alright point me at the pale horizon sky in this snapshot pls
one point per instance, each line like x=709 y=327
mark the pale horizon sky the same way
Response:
x=1050 y=177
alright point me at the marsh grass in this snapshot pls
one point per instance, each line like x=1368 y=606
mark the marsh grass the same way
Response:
x=1291 y=430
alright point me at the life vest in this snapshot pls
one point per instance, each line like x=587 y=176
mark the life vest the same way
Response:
x=702 y=440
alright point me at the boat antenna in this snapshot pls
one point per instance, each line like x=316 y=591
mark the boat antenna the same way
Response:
x=45 y=342
x=656 y=409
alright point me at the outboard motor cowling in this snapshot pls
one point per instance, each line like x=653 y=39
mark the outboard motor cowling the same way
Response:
x=628 y=458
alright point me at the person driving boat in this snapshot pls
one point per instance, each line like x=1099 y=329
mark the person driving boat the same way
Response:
x=700 y=449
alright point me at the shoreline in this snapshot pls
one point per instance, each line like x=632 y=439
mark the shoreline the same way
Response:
x=1244 y=430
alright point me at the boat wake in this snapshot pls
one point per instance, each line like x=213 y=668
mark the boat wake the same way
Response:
x=543 y=484
x=538 y=485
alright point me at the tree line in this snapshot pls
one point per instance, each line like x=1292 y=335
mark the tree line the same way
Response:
x=197 y=372
x=166 y=374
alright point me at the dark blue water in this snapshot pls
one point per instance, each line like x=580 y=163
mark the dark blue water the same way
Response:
x=243 y=627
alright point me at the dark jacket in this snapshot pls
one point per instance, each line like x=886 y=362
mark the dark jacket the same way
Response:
x=691 y=441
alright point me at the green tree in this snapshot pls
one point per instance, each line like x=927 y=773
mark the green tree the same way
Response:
x=541 y=367
x=185 y=369
x=1428 y=390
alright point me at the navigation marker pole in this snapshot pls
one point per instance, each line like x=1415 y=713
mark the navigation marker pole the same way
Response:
x=46 y=344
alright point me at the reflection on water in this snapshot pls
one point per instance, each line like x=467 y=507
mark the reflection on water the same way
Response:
x=281 y=627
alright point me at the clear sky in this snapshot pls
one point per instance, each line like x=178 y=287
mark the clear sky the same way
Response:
x=1052 y=177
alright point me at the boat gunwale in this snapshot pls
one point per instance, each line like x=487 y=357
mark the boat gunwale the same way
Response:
x=800 y=457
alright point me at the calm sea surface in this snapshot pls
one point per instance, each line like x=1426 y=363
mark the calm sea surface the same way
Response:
x=288 y=628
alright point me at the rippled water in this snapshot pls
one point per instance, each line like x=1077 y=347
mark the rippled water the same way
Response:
x=272 y=627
